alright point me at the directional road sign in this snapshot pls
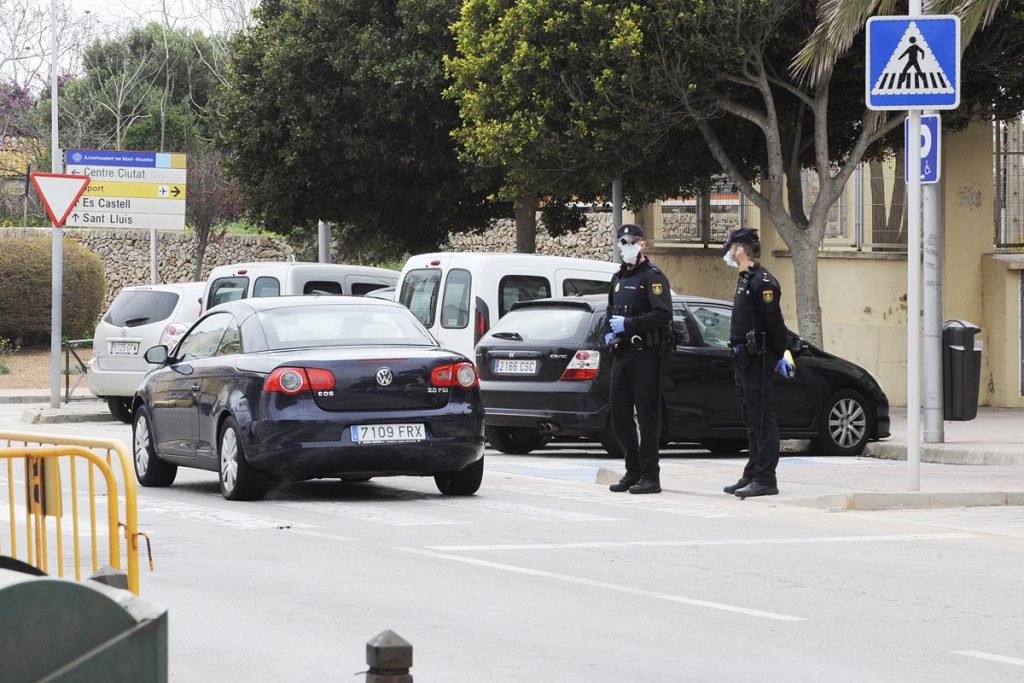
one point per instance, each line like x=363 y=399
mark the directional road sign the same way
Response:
x=59 y=192
x=129 y=189
x=913 y=62
x=931 y=148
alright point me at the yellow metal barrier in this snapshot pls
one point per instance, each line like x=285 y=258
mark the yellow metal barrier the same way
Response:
x=40 y=470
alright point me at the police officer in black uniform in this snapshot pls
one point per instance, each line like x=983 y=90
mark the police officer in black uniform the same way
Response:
x=759 y=342
x=639 y=320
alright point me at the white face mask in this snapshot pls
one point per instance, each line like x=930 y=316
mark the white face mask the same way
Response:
x=630 y=253
x=729 y=260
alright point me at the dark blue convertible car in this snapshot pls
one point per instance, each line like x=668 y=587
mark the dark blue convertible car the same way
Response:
x=292 y=388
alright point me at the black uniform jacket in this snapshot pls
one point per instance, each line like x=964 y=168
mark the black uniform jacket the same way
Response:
x=642 y=295
x=756 y=307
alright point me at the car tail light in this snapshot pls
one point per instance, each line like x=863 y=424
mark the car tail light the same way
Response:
x=456 y=375
x=583 y=365
x=481 y=321
x=172 y=334
x=480 y=327
x=293 y=380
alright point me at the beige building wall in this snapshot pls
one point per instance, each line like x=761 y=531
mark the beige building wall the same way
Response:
x=864 y=294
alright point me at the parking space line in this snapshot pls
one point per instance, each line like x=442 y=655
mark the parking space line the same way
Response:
x=990 y=657
x=605 y=585
x=715 y=542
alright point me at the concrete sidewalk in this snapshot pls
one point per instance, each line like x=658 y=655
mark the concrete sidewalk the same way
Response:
x=981 y=462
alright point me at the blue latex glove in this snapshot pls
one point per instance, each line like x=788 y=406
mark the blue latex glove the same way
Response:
x=608 y=339
x=617 y=323
x=785 y=366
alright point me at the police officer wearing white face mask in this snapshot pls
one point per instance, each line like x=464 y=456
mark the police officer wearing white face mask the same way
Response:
x=758 y=338
x=639 y=320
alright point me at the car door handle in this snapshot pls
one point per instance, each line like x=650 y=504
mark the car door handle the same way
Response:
x=195 y=388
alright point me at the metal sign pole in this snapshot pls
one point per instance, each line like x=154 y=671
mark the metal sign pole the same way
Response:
x=933 y=427
x=57 y=236
x=152 y=255
x=914 y=296
x=914 y=307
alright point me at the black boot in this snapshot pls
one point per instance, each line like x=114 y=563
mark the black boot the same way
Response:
x=733 y=488
x=627 y=480
x=756 y=488
x=647 y=484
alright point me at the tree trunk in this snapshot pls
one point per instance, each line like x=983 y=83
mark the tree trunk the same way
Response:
x=526 y=223
x=808 y=305
x=202 y=239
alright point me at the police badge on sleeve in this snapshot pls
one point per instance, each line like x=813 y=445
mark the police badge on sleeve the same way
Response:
x=656 y=288
x=768 y=296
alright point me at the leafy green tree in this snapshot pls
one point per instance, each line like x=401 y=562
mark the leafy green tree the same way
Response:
x=333 y=111
x=534 y=83
x=716 y=71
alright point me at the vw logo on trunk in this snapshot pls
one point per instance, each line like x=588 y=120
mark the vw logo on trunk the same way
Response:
x=384 y=377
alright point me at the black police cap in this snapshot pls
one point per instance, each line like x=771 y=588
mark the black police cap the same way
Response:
x=740 y=236
x=631 y=229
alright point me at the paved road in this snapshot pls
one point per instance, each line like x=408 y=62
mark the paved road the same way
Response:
x=544 y=576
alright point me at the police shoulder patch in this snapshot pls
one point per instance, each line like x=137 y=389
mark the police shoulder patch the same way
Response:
x=768 y=296
x=657 y=288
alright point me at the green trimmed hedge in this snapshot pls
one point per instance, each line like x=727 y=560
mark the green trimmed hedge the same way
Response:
x=25 y=278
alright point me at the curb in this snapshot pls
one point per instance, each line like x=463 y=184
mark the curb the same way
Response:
x=908 y=500
x=43 y=398
x=870 y=500
x=943 y=456
x=62 y=416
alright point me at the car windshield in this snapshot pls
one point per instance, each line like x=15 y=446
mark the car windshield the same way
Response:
x=295 y=327
x=141 y=307
x=543 y=323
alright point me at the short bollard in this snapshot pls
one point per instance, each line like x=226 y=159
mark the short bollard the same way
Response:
x=389 y=656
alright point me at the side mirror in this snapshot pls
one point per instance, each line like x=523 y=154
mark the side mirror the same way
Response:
x=157 y=355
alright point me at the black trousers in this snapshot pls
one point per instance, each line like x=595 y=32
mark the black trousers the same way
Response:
x=636 y=383
x=755 y=385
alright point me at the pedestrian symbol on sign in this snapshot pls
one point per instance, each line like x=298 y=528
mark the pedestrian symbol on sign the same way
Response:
x=912 y=62
x=912 y=69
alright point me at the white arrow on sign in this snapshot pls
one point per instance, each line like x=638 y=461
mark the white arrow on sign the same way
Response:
x=59 y=193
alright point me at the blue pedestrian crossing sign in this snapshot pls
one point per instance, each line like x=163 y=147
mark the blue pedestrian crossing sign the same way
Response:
x=913 y=62
x=931 y=149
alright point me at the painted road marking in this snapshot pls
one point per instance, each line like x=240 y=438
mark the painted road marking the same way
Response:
x=605 y=585
x=377 y=514
x=685 y=544
x=228 y=518
x=522 y=510
x=589 y=494
x=319 y=534
x=990 y=657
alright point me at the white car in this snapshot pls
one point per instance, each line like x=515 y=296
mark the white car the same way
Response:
x=141 y=316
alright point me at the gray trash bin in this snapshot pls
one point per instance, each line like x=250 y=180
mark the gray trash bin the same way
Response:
x=961 y=370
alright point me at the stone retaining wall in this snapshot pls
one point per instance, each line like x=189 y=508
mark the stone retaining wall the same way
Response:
x=593 y=241
x=125 y=253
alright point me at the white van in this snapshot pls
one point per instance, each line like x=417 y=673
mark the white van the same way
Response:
x=459 y=295
x=283 y=278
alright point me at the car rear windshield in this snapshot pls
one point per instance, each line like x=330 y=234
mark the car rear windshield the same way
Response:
x=543 y=323
x=419 y=293
x=135 y=308
x=299 y=327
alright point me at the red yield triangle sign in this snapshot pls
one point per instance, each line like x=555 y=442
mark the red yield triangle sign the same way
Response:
x=60 y=193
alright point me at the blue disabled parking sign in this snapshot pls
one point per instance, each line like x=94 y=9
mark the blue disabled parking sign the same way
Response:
x=913 y=62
